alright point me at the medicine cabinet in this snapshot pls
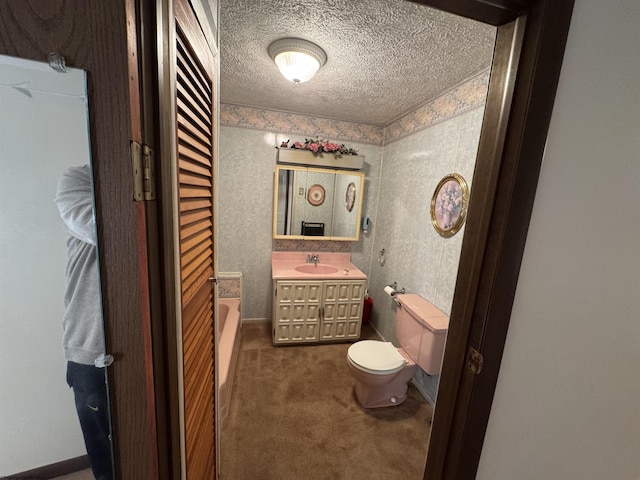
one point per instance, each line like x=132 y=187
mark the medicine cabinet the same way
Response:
x=315 y=203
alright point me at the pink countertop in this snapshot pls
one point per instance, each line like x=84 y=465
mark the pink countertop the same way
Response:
x=283 y=266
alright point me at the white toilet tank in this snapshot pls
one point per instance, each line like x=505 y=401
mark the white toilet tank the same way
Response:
x=421 y=329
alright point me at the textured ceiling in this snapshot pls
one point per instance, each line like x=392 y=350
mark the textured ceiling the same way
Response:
x=385 y=57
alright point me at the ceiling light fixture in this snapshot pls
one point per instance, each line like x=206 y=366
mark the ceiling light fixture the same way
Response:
x=298 y=60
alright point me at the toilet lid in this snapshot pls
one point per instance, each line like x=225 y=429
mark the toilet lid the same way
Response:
x=376 y=355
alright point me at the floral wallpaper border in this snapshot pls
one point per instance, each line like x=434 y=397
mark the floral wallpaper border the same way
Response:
x=458 y=100
x=275 y=121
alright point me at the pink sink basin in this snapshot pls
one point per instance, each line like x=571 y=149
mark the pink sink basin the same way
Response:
x=317 y=268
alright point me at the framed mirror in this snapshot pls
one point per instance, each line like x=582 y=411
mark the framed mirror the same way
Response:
x=54 y=408
x=313 y=203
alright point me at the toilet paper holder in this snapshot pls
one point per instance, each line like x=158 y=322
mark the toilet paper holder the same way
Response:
x=394 y=286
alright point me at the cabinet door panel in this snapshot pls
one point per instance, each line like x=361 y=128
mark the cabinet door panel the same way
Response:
x=285 y=292
x=300 y=293
x=353 y=329
x=327 y=330
x=311 y=331
x=283 y=332
x=355 y=310
x=329 y=312
x=344 y=291
x=342 y=310
x=330 y=291
x=297 y=332
x=314 y=292
x=313 y=311
x=341 y=329
x=284 y=313
x=357 y=292
x=299 y=313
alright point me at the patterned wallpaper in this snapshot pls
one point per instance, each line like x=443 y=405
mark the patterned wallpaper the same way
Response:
x=418 y=150
x=416 y=256
x=229 y=284
x=458 y=100
x=311 y=245
x=276 y=121
x=245 y=211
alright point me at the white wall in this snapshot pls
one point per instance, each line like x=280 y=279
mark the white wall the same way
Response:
x=43 y=130
x=567 y=401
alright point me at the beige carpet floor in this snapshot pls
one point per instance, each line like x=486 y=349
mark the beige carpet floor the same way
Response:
x=293 y=416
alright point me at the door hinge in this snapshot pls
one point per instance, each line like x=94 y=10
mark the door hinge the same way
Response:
x=475 y=361
x=144 y=172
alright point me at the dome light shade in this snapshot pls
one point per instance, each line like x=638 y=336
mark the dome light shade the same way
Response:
x=298 y=60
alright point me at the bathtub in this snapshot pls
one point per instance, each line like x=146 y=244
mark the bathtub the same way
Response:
x=228 y=345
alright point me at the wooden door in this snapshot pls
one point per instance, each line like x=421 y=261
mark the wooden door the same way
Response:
x=102 y=39
x=194 y=106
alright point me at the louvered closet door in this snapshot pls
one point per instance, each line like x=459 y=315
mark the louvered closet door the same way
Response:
x=194 y=107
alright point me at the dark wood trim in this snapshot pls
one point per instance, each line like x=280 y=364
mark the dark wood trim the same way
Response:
x=493 y=12
x=99 y=38
x=483 y=193
x=495 y=242
x=542 y=53
x=134 y=43
x=168 y=464
x=58 y=469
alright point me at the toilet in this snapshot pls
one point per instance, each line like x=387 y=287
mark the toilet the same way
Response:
x=382 y=371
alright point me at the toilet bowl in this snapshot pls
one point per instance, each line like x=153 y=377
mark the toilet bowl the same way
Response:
x=379 y=385
x=382 y=371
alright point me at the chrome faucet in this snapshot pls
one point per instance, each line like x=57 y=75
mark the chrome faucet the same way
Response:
x=313 y=259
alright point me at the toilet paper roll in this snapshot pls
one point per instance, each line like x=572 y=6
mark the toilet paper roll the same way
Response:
x=390 y=291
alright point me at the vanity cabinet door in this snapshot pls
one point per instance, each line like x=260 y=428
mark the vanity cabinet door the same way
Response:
x=342 y=310
x=296 y=314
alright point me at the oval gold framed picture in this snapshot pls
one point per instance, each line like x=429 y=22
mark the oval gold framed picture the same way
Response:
x=449 y=205
x=350 y=196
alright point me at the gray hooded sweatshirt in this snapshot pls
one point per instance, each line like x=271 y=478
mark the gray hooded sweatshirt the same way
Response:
x=83 y=333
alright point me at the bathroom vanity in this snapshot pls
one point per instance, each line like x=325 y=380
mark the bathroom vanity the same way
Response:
x=316 y=299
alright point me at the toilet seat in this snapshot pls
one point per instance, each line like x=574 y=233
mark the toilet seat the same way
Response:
x=376 y=357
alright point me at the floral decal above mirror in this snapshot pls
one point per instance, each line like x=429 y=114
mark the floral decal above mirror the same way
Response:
x=449 y=205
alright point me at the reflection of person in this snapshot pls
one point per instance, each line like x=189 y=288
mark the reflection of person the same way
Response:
x=83 y=333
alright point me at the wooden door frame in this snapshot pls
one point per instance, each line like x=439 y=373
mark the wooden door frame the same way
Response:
x=518 y=111
x=530 y=43
x=101 y=38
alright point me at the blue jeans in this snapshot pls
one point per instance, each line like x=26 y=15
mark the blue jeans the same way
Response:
x=92 y=404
